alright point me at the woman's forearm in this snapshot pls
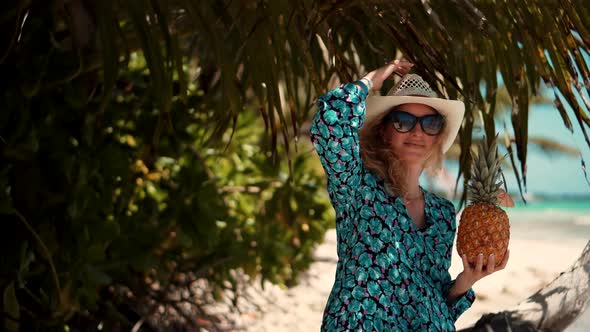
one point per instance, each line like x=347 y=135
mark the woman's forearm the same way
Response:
x=460 y=287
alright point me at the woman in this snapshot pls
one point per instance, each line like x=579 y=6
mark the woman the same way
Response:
x=395 y=240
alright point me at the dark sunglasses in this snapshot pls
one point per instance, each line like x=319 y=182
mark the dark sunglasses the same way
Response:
x=432 y=124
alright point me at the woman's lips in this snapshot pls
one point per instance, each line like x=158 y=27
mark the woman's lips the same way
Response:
x=412 y=144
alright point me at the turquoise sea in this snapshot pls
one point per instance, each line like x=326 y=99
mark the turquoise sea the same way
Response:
x=551 y=220
x=573 y=205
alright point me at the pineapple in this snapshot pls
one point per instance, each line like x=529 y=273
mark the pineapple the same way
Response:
x=484 y=226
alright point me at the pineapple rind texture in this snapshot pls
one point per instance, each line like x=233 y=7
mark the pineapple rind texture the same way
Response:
x=483 y=228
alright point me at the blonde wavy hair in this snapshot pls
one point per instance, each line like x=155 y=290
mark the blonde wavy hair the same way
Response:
x=378 y=157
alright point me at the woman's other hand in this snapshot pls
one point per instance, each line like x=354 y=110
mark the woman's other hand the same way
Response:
x=381 y=74
x=471 y=275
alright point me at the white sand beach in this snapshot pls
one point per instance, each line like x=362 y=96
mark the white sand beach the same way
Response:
x=536 y=258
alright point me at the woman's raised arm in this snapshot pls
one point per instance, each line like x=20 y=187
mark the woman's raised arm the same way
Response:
x=334 y=130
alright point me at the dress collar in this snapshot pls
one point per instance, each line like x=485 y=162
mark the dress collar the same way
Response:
x=401 y=208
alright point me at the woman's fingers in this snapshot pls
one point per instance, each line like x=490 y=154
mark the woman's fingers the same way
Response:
x=401 y=62
x=491 y=264
x=381 y=74
x=402 y=66
x=478 y=272
x=479 y=265
x=405 y=65
x=389 y=69
x=402 y=71
x=465 y=262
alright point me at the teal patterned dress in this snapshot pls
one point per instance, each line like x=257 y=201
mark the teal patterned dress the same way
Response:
x=391 y=275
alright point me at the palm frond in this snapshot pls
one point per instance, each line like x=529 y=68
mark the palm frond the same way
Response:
x=281 y=55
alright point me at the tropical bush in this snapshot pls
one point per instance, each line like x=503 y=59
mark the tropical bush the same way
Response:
x=111 y=207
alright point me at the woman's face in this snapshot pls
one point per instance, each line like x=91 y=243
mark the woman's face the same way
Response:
x=415 y=146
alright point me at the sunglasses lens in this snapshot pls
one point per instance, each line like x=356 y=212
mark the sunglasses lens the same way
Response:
x=432 y=125
x=403 y=122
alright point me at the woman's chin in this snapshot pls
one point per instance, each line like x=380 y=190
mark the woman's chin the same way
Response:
x=412 y=158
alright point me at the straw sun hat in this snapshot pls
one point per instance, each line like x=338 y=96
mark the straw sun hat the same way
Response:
x=413 y=89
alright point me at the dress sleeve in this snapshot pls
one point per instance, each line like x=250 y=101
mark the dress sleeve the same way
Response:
x=334 y=135
x=464 y=301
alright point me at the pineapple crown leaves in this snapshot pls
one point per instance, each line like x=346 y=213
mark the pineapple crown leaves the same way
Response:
x=485 y=172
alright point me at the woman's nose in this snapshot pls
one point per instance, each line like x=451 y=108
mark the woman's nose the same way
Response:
x=417 y=130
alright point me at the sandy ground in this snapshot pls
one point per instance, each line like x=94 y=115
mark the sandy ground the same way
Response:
x=533 y=263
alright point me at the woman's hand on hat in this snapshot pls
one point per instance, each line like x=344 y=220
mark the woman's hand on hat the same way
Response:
x=379 y=75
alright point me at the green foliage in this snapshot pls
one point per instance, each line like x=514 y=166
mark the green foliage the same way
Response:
x=100 y=196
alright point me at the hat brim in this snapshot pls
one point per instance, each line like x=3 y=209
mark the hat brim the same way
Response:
x=451 y=110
